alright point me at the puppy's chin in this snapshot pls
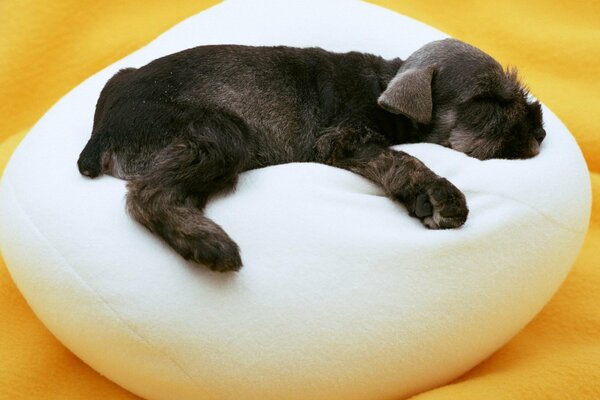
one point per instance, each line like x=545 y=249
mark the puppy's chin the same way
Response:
x=485 y=149
x=532 y=150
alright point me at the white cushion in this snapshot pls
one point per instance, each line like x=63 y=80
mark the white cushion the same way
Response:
x=343 y=295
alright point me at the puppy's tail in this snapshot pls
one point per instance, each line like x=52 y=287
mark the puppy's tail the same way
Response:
x=90 y=162
x=94 y=158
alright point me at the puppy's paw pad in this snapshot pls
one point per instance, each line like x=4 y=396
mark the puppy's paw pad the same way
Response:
x=423 y=207
x=448 y=206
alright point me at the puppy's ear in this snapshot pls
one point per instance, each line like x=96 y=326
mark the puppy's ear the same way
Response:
x=409 y=93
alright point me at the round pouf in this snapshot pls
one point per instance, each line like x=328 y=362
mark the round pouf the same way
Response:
x=343 y=295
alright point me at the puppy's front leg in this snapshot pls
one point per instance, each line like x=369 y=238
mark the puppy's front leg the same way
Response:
x=405 y=179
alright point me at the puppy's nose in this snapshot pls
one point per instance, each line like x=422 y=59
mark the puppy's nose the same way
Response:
x=539 y=134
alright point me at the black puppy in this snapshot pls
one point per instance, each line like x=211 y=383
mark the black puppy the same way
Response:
x=186 y=125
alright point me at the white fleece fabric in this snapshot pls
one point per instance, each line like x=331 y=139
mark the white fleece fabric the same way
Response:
x=342 y=296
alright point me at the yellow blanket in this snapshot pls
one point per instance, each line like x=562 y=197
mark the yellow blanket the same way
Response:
x=46 y=48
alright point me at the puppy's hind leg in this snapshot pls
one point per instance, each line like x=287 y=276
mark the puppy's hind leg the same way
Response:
x=169 y=197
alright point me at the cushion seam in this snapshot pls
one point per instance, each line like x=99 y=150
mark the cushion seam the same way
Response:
x=542 y=214
x=98 y=296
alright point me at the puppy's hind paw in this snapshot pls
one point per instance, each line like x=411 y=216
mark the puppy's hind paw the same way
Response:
x=217 y=251
x=441 y=206
x=218 y=254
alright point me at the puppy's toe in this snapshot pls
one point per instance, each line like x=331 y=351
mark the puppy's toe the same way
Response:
x=217 y=251
x=423 y=207
x=218 y=254
x=449 y=206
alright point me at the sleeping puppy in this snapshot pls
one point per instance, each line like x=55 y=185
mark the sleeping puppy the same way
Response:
x=184 y=126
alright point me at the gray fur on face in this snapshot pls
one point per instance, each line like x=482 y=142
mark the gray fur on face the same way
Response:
x=183 y=127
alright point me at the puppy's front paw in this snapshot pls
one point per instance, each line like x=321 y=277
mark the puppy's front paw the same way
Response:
x=441 y=205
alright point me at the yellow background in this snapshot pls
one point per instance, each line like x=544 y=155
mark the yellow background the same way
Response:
x=48 y=47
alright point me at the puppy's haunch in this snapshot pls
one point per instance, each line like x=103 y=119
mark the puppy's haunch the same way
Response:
x=184 y=126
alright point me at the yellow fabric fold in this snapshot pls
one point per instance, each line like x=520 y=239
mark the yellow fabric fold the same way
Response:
x=46 y=48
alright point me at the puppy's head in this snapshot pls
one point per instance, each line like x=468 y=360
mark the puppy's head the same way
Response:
x=462 y=98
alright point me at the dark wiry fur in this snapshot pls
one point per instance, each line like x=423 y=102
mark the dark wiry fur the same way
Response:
x=183 y=127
